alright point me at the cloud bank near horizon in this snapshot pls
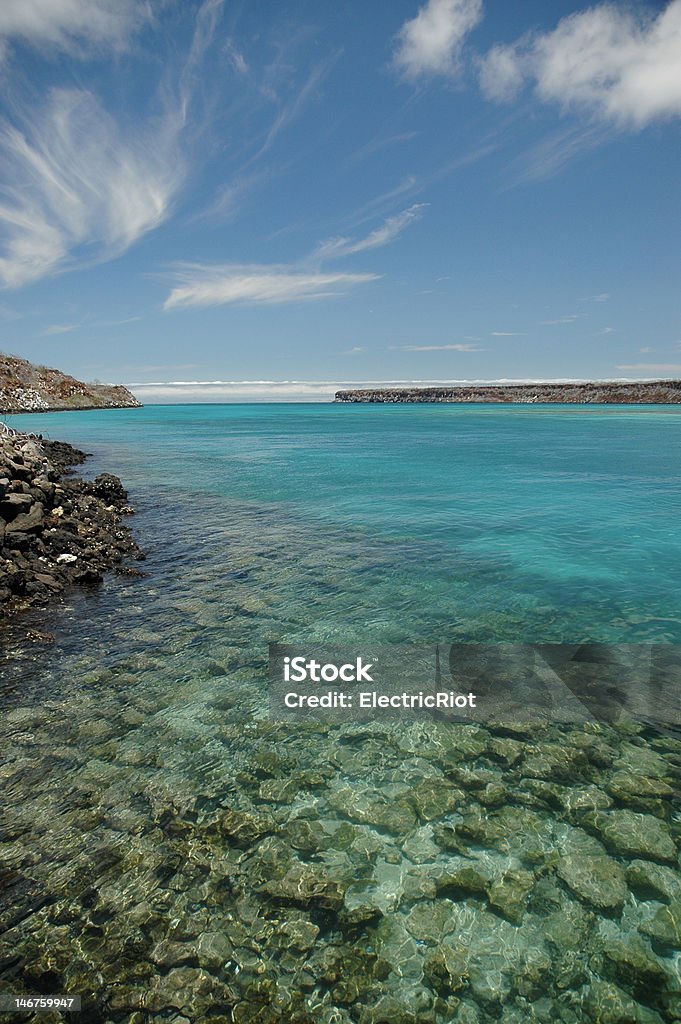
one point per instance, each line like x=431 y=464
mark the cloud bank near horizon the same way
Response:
x=185 y=391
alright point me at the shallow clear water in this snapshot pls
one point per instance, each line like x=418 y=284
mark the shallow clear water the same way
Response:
x=397 y=523
x=138 y=761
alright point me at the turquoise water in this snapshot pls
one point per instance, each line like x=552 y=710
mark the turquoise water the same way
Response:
x=170 y=854
x=398 y=523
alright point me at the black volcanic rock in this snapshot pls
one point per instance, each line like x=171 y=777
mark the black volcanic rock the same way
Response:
x=56 y=530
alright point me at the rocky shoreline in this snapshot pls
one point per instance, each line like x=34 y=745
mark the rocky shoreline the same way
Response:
x=649 y=392
x=56 y=530
x=25 y=387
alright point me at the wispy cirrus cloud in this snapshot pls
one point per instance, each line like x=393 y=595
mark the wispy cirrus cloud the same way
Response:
x=379 y=144
x=507 y=334
x=430 y=43
x=437 y=348
x=201 y=284
x=293 y=107
x=221 y=284
x=80 y=186
x=54 y=329
x=618 y=65
x=551 y=154
x=74 y=26
x=559 y=321
x=236 y=58
x=383 y=235
x=117 y=323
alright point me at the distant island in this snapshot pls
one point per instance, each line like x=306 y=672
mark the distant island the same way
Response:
x=28 y=388
x=654 y=392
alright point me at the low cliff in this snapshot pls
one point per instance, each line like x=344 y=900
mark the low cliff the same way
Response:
x=28 y=388
x=655 y=392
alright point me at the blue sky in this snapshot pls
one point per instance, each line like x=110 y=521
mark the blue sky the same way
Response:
x=323 y=192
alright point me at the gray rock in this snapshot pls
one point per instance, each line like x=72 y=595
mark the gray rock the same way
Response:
x=446 y=969
x=28 y=522
x=630 y=834
x=510 y=894
x=641 y=792
x=653 y=881
x=465 y=879
x=633 y=965
x=608 y=1004
x=597 y=880
x=665 y=927
x=432 y=798
x=307 y=884
x=242 y=828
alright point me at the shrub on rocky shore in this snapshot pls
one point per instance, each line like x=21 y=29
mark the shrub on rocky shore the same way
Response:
x=56 y=529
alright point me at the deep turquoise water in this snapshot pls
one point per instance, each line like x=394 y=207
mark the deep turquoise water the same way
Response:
x=169 y=853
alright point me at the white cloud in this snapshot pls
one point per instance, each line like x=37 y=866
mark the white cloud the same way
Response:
x=335 y=248
x=438 y=348
x=606 y=330
x=501 y=74
x=431 y=42
x=71 y=25
x=507 y=334
x=78 y=185
x=561 y=320
x=622 y=67
x=220 y=284
x=58 y=329
x=356 y=350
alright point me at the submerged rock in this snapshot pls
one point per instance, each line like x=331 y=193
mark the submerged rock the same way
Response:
x=630 y=834
x=307 y=884
x=510 y=894
x=242 y=828
x=653 y=881
x=665 y=927
x=606 y=1003
x=633 y=966
x=641 y=792
x=446 y=969
x=597 y=880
